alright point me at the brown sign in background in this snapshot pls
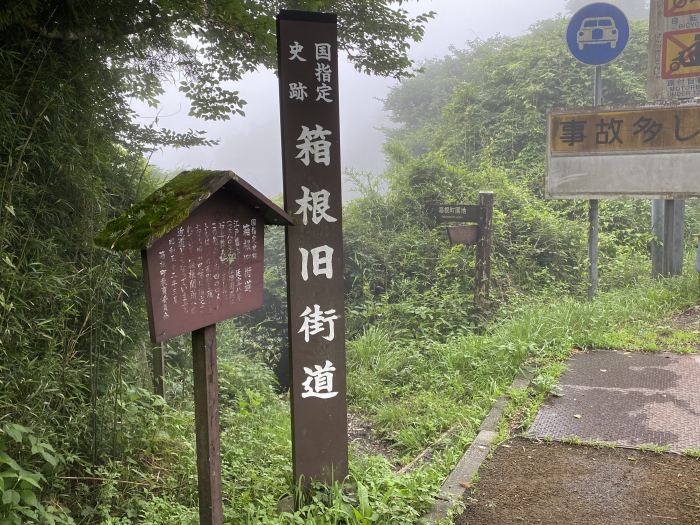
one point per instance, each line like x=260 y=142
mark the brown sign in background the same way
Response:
x=206 y=270
x=467 y=234
x=637 y=131
x=308 y=75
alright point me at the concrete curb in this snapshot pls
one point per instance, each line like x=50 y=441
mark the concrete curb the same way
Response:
x=455 y=486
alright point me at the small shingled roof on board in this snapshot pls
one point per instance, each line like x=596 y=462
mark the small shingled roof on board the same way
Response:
x=164 y=209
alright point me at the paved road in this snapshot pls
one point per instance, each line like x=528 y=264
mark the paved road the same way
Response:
x=628 y=398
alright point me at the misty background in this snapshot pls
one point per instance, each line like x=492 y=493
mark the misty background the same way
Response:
x=250 y=145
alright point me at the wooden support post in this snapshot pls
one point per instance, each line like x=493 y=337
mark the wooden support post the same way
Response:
x=483 y=249
x=158 y=355
x=206 y=416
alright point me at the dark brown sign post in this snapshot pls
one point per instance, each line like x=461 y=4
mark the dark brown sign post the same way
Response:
x=201 y=241
x=479 y=234
x=308 y=75
x=484 y=248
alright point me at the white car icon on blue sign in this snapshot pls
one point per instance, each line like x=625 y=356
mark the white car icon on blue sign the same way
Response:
x=597 y=30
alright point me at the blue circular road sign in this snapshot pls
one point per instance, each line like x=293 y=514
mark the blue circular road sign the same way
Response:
x=598 y=33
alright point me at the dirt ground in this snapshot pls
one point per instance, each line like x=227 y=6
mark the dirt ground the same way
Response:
x=528 y=482
x=363 y=440
x=687 y=320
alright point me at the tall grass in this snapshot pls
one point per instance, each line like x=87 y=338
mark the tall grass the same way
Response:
x=412 y=389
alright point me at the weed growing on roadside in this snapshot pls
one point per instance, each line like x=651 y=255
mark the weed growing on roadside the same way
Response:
x=653 y=447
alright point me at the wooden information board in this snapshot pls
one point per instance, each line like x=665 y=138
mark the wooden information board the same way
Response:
x=208 y=269
x=201 y=241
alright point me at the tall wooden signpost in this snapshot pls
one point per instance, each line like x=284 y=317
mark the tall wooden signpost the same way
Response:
x=201 y=242
x=308 y=77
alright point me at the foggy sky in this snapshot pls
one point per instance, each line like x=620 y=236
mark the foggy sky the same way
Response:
x=250 y=145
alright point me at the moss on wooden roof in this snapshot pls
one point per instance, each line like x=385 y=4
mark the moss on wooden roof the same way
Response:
x=146 y=221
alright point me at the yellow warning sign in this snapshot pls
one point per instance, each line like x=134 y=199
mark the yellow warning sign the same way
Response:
x=681 y=54
x=663 y=129
x=681 y=7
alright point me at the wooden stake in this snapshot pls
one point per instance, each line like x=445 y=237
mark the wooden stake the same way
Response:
x=158 y=355
x=206 y=415
x=483 y=248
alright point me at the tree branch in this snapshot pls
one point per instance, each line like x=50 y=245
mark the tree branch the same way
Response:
x=93 y=34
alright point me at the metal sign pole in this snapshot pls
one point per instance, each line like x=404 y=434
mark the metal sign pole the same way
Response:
x=593 y=204
x=669 y=216
x=596 y=35
x=673 y=75
x=657 y=229
x=667 y=244
x=678 y=234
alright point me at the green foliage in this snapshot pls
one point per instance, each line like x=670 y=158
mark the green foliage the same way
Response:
x=155 y=482
x=396 y=250
x=493 y=97
x=476 y=121
x=653 y=447
x=25 y=462
x=208 y=45
x=153 y=458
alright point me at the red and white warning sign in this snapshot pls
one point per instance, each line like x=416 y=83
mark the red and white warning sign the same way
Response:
x=674 y=50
